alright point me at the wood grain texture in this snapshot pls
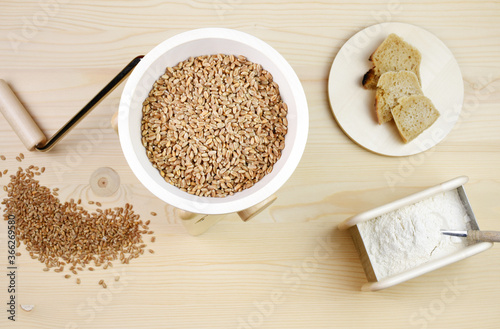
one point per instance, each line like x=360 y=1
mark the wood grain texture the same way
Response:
x=289 y=267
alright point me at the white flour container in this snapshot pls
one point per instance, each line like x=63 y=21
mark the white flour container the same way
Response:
x=377 y=281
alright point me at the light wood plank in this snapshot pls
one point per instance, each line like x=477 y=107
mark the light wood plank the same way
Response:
x=227 y=277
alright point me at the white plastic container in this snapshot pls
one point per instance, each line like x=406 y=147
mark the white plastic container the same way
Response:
x=376 y=283
x=204 y=42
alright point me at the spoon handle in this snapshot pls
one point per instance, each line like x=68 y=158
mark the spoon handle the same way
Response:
x=484 y=236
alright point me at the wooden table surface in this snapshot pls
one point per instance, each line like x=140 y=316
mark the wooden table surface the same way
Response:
x=289 y=267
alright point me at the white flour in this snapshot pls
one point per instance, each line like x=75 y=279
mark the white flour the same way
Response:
x=410 y=236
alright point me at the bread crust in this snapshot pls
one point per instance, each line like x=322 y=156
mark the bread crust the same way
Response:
x=380 y=120
x=369 y=80
x=377 y=112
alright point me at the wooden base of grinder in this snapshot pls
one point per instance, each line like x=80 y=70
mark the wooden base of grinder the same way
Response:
x=197 y=224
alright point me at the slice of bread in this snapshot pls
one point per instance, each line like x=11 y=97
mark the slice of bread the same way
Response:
x=393 y=54
x=390 y=87
x=413 y=115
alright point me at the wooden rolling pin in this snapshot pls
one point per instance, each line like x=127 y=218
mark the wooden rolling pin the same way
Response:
x=28 y=131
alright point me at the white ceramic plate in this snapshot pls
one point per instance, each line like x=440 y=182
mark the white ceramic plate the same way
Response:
x=353 y=106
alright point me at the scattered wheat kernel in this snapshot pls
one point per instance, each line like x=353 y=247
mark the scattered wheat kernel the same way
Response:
x=66 y=224
x=67 y=276
x=42 y=170
x=104 y=285
x=101 y=281
x=151 y=251
x=153 y=239
x=18 y=254
x=147 y=222
x=18 y=159
x=91 y=202
x=2 y=157
x=21 y=155
x=5 y=171
x=98 y=204
x=78 y=281
x=117 y=278
x=153 y=213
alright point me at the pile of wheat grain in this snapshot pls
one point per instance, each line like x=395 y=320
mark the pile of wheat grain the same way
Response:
x=214 y=125
x=64 y=234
